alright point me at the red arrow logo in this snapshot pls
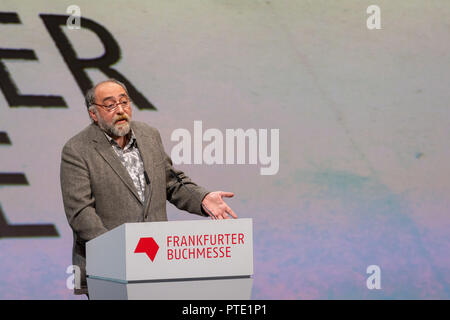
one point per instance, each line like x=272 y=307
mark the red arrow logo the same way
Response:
x=148 y=246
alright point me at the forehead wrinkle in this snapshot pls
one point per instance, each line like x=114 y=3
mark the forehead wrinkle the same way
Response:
x=111 y=97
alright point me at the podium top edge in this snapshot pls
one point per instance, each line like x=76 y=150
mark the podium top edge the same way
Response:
x=193 y=221
x=130 y=225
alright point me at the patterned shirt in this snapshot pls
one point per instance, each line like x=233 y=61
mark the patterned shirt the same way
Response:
x=132 y=161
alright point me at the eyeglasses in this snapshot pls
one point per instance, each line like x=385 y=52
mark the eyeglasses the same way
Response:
x=111 y=106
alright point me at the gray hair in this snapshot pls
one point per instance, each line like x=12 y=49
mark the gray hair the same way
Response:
x=89 y=98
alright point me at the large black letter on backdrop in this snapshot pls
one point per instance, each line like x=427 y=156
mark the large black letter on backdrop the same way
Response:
x=7 y=85
x=8 y=230
x=77 y=66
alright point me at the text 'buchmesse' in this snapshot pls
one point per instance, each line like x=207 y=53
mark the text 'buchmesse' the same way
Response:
x=205 y=246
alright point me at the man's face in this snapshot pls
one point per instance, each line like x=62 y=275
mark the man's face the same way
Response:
x=114 y=122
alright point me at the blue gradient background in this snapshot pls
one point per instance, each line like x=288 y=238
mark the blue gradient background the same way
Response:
x=363 y=118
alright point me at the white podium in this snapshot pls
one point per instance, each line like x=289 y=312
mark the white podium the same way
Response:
x=210 y=259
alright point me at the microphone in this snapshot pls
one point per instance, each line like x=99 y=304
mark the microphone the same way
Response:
x=146 y=194
x=147 y=180
x=190 y=191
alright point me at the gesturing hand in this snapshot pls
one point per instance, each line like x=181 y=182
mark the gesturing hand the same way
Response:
x=214 y=205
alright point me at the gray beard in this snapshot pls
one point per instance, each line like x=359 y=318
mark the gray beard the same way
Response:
x=114 y=131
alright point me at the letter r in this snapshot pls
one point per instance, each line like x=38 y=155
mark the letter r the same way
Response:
x=78 y=66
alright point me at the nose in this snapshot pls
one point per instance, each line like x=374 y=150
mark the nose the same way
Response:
x=119 y=109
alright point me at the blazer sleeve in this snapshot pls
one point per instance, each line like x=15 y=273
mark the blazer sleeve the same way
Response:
x=181 y=191
x=79 y=202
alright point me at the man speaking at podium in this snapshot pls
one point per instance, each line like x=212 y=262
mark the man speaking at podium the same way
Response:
x=116 y=171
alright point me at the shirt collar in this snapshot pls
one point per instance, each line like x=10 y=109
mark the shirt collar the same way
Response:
x=130 y=144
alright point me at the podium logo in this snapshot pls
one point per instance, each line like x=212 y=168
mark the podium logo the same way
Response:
x=148 y=246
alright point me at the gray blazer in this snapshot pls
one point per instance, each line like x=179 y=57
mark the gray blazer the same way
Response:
x=99 y=195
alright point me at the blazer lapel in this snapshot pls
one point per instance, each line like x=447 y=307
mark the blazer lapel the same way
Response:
x=146 y=145
x=105 y=149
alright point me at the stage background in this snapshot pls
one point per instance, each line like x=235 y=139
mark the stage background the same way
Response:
x=364 y=126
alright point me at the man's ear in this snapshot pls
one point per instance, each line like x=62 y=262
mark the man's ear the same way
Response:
x=93 y=115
